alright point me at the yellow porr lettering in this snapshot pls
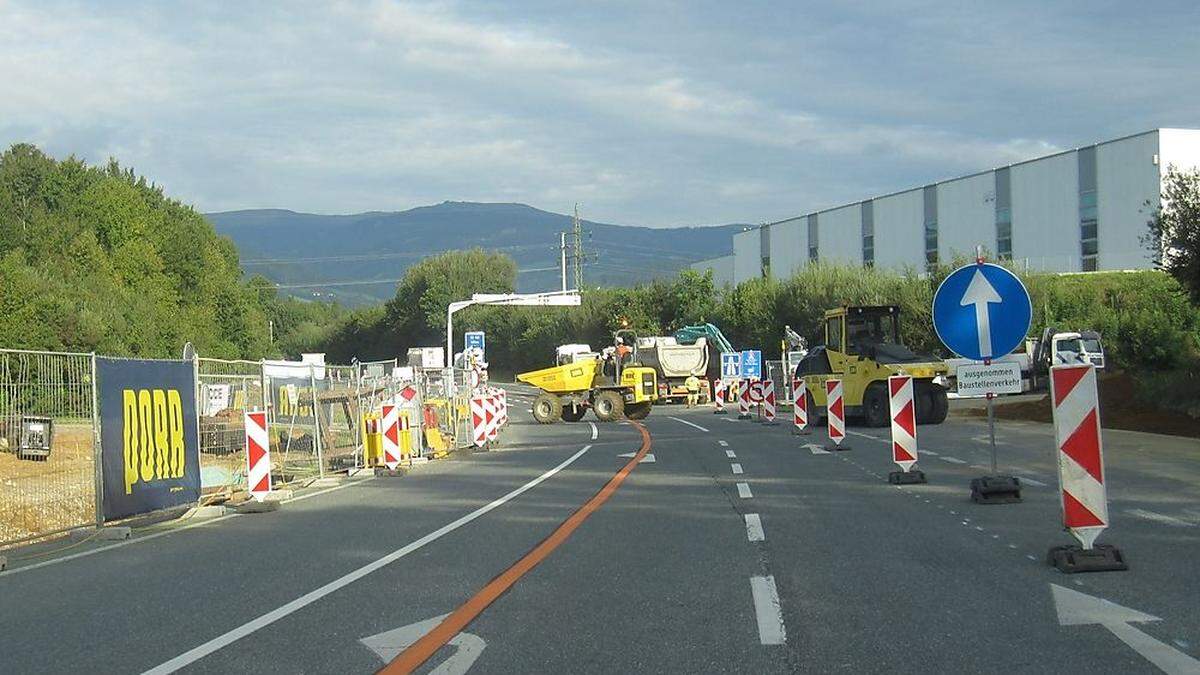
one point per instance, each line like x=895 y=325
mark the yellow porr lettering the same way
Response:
x=162 y=447
x=175 y=426
x=130 y=438
x=146 y=434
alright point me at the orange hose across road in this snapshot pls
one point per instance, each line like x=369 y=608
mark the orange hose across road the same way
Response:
x=420 y=651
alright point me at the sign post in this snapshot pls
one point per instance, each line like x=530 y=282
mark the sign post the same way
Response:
x=980 y=312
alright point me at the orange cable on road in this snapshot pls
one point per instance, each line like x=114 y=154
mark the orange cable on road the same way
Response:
x=420 y=651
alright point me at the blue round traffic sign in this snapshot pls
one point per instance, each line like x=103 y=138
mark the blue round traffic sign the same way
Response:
x=982 y=311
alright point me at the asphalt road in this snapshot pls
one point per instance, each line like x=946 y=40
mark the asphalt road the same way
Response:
x=802 y=562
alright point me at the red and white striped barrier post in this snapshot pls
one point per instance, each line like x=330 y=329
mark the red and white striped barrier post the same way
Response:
x=480 y=417
x=904 y=430
x=836 y=413
x=492 y=402
x=744 y=400
x=258 y=455
x=389 y=416
x=503 y=407
x=719 y=390
x=1080 y=471
x=756 y=397
x=799 y=407
x=768 y=396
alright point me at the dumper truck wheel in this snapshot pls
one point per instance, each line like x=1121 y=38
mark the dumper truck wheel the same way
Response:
x=547 y=409
x=637 y=411
x=573 y=413
x=876 y=406
x=608 y=406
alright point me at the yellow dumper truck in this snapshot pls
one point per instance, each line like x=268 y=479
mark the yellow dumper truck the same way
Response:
x=613 y=385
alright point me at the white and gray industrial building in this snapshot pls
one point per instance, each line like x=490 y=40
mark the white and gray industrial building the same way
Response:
x=1081 y=210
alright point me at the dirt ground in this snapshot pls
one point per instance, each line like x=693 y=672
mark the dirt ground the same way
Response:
x=43 y=496
x=1119 y=409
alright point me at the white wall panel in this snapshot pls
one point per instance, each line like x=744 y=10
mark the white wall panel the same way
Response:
x=1045 y=213
x=1180 y=147
x=788 y=247
x=1126 y=177
x=840 y=235
x=900 y=231
x=722 y=269
x=747 y=263
x=966 y=216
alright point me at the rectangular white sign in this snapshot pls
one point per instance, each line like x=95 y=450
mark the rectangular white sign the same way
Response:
x=1001 y=377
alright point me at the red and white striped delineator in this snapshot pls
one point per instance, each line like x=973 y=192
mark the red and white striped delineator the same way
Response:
x=799 y=404
x=768 y=397
x=744 y=400
x=1080 y=452
x=503 y=407
x=719 y=391
x=481 y=419
x=389 y=416
x=836 y=411
x=756 y=392
x=904 y=421
x=493 y=405
x=258 y=455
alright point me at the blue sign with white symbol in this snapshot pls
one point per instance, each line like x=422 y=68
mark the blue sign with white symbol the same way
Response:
x=982 y=311
x=474 y=339
x=731 y=366
x=752 y=364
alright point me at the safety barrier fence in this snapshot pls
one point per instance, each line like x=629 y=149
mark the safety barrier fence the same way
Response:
x=86 y=440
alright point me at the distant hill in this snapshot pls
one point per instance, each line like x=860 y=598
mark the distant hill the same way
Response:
x=322 y=252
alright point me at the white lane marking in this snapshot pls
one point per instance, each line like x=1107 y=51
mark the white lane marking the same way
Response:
x=156 y=535
x=1159 y=517
x=736 y=468
x=195 y=654
x=731 y=454
x=768 y=611
x=923 y=451
x=723 y=444
x=861 y=434
x=595 y=431
x=754 y=528
x=744 y=490
x=690 y=424
x=952 y=460
x=1032 y=481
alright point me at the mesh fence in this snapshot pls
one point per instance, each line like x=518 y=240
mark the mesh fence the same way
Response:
x=226 y=390
x=47 y=435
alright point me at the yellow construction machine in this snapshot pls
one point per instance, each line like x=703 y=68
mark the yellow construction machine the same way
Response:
x=863 y=348
x=613 y=385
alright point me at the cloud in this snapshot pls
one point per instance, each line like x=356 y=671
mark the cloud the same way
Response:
x=648 y=114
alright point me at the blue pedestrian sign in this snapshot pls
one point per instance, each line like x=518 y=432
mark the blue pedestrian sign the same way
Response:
x=982 y=311
x=731 y=365
x=474 y=338
x=752 y=364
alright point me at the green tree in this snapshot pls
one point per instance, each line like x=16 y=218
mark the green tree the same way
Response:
x=1174 y=238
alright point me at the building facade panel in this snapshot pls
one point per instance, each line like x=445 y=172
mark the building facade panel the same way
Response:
x=1126 y=178
x=1179 y=148
x=1045 y=213
x=899 y=227
x=747 y=252
x=788 y=251
x=722 y=269
x=841 y=235
x=967 y=216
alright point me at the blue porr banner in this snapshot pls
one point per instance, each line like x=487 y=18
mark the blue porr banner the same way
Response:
x=149 y=443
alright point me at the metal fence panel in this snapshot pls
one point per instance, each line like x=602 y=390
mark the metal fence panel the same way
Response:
x=48 y=431
x=226 y=390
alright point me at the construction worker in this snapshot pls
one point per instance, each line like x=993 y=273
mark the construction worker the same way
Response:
x=692 y=384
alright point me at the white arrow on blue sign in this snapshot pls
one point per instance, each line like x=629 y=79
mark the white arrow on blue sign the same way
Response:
x=731 y=365
x=982 y=311
x=752 y=364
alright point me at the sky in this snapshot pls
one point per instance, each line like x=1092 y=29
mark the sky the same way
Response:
x=645 y=113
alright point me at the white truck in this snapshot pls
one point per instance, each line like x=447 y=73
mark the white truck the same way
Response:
x=675 y=363
x=1053 y=348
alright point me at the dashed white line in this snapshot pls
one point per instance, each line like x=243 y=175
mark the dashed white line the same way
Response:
x=768 y=611
x=1159 y=517
x=754 y=528
x=595 y=431
x=1032 y=481
x=731 y=454
x=736 y=468
x=744 y=490
x=690 y=424
x=952 y=460
x=930 y=453
x=723 y=444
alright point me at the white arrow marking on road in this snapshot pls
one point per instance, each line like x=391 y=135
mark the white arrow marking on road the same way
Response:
x=595 y=431
x=648 y=459
x=389 y=644
x=980 y=293
x=1078 y=609
x=816 y=449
